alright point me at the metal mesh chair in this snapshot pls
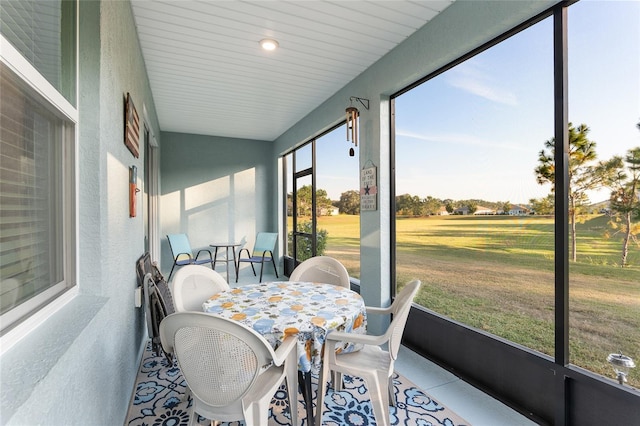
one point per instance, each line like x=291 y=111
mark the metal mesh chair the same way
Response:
x=231 y=370
x=372 y=363
x=158 y=304
x=322 y=269
x=183 y=255
x=262 y=252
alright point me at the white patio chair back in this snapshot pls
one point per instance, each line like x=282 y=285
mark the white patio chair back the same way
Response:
x=322 y=269
x=373 y=363
x=193 y=285
x=231 y=370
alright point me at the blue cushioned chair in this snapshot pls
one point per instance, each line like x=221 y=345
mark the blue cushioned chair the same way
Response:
x=262 y=252
x=182 y=254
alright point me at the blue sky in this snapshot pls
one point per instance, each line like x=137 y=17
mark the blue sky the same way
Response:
x=475 y=131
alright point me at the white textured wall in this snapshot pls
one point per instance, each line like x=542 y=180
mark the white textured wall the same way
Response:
x=79 y=366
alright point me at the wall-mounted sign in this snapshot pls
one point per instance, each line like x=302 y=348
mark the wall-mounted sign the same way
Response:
x=369 y=188
x=131 y=127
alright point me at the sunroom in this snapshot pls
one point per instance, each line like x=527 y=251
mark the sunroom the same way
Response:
x=459 y=106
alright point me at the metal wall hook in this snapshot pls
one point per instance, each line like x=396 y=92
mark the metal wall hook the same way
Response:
x=364 y=102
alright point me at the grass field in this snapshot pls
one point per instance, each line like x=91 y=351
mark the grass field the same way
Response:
x=496 y=273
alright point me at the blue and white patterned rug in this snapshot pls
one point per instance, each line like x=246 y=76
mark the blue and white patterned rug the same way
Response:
x=157 y=401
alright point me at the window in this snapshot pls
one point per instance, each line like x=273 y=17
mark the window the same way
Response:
x=604 y=95
x=44 y=34
x=467 y=144
x=37 y=146
x=337 y=178
x=476 y=212
x=323 y=202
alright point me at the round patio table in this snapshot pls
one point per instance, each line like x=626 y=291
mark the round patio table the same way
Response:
x=227 y=259
x=309 y=310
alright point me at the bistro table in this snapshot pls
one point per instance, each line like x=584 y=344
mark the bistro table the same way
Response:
x=227 y=259
x=309 y=310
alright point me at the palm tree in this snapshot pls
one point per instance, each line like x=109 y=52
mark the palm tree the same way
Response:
x=582 y=152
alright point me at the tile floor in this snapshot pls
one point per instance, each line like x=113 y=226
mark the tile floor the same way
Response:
x=478 y=408
x=475 y=406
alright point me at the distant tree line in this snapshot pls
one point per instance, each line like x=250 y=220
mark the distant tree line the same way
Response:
x=349 y=202
x=406 y=204
x=412 y=205
x=304 y=203
x=620 y=175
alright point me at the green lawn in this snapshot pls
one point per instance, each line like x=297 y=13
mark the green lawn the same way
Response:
x=496 y=273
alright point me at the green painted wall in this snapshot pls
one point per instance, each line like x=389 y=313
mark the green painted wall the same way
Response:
x=78 y=367
x=215 y=189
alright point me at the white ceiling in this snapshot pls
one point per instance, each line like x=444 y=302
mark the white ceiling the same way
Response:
x=209 y=76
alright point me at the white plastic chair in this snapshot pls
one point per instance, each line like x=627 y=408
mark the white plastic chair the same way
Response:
x=231 y=370
x=322 y=269
x=373 y=364
x=193 y=285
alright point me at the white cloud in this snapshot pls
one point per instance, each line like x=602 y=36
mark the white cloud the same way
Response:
x=461 y=139
x=471 y=78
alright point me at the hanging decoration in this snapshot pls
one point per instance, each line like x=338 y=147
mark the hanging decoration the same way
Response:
x=369 y=187
x=352 y=121
x=133 y=190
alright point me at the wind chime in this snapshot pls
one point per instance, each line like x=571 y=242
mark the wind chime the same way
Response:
x=352 y=122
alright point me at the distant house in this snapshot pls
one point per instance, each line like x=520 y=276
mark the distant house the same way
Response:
x=516 y=210
x=443 y=211
x=481 y=210
x=461 y=210
x=329 y=211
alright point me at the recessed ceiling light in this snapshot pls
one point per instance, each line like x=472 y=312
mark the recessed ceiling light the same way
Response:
x=269 y=44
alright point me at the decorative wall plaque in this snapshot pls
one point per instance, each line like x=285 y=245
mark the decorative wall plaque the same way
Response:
x=131 y=127
x=368 y=188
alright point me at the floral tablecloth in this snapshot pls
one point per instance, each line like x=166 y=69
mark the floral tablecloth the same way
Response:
x=309 y=310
